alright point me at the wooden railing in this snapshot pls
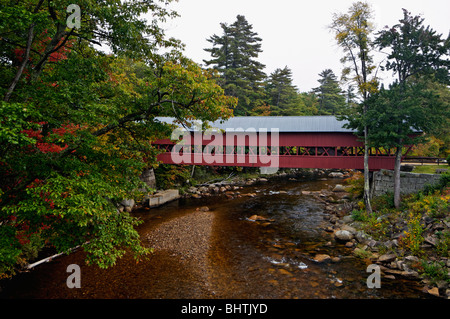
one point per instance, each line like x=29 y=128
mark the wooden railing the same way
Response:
x=424 y=159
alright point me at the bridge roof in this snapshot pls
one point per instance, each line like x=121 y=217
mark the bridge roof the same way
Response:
x=299 y=124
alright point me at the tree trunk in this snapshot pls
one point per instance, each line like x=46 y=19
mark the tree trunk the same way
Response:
x=19 y=72
x=366 y=173
x=398 y=161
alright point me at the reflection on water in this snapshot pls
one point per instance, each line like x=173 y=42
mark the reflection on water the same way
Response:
x=247 y=259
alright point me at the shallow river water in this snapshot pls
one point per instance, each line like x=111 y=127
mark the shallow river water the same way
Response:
x=246 y=259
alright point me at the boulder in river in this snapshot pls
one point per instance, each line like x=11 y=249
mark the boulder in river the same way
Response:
x=339 y=188
x=343 y=235
x=320 y=258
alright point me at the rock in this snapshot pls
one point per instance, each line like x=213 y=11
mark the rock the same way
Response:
x=249 y=195
x=127 y=203
x=306 y=193
x=434 y=291
x=387 y=258
x=372 y=244
x=334 y=219
x=192 y=189
x=350 y=229
x=412 y=258
x=285 y=272
x=349 y=244
x=442 y=284
x=336 y=175
x=320 y=258
x=428 y=219
x=203 y=189
x=430 y=240
x=256 y=217
x=361 y=236
x=335 y=259
x=347 y=219
x=203 y=209
x=339 y=188
x=343 y=235
x=329 y=229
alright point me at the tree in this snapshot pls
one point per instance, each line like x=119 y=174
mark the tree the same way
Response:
x=329 y=93
x=77 y=124
x=282 y=95
x=353 y=32
x=417 y=55
x=234 y=55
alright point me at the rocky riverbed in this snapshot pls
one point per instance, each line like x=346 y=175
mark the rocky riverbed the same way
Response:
x=338 y=206
x=387 y=253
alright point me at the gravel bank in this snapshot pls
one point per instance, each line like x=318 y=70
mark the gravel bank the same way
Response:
x=188 y=239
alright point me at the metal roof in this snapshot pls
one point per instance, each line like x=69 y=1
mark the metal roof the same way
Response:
x=282 y=123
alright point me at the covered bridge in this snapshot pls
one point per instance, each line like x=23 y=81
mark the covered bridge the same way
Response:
x=282 y=141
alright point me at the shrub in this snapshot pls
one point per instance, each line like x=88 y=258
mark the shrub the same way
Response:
x=385 y=201
x=444 y=181
x=413 y=239
x=434 y=205
x=435 y=271
x=356 y=184
x=443 y=243
x=359 y=215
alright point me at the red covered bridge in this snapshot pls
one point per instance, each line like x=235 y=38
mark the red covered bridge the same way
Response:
x=262 y=141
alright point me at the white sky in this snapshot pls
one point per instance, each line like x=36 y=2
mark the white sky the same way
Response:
x=294 y=33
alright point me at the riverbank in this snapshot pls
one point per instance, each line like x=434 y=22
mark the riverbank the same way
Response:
x=412 y=242
x=231 y=185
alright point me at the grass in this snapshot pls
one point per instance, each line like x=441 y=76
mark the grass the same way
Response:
x=429 y=169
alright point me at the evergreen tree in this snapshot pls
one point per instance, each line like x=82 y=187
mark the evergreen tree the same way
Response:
x=417 y=55
x=329 y=93
x=282 y=95
x=234 y=55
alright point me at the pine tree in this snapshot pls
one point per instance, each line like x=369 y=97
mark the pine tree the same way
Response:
x=282 y=95
x=329 y=93
x=234 y=55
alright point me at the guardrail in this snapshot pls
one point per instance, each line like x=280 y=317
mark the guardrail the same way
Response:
x=424 y=159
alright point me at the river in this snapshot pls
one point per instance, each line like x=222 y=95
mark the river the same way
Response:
x=271 y=259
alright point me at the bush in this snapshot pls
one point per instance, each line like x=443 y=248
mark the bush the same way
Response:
x=359 y=215
x=385 y=201
x=443 y=244
x=435 y=271
x=443 y=183
x=356 y=183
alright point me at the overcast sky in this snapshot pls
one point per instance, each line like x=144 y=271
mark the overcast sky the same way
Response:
x=294 y=33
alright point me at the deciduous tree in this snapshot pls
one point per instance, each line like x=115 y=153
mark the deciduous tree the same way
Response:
x=77 y=124
x=353 y=31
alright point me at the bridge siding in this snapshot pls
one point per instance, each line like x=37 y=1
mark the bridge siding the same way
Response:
x=288 y=139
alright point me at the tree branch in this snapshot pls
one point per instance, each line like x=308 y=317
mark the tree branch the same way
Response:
x=19 y=72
